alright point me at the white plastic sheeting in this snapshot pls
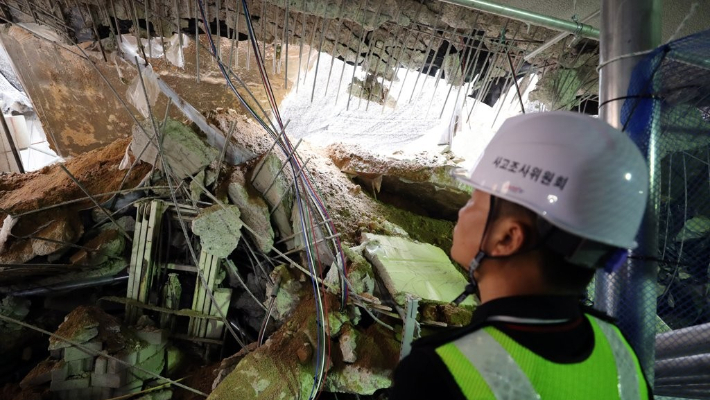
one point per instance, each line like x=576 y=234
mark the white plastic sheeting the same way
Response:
x=172 y=51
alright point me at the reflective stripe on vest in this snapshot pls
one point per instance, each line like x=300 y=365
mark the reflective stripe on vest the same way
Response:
x=625 y=362
x=487 y=364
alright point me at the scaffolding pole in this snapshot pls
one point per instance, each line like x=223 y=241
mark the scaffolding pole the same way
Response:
x=630 y=294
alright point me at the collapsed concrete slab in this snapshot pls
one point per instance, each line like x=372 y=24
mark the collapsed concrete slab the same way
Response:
x=219 y=229
x=254 y=211
x=53 y=236
x=268 y=179
x=106 y=245
x=42 y=210
x=423 y=186
x=415 y=268
x=185 y=152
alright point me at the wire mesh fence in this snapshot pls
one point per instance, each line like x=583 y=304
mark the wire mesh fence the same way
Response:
x=666 y=113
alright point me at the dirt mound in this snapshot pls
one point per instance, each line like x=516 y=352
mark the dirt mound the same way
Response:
x=97 y=171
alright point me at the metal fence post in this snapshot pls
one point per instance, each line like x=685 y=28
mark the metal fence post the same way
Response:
x=630 y=294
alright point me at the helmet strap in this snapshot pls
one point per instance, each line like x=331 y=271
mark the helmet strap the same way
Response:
x=472 y=286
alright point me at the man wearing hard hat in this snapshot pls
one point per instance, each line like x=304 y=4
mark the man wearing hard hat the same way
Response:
x=556 y=196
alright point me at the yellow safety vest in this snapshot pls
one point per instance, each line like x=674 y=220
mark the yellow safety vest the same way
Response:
x=488 y=365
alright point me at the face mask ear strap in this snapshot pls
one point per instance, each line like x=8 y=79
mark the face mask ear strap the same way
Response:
x=472 y=287
x=475 y=263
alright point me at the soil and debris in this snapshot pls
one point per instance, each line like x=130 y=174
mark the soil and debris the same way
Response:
x=150 y=288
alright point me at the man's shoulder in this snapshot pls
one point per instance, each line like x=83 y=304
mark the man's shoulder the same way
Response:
x=441 y=338
x=599 y=314
x=423 y=375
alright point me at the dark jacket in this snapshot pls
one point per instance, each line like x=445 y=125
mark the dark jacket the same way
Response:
x=553 y=327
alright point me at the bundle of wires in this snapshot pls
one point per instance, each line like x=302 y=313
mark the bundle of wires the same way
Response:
x=307 y=199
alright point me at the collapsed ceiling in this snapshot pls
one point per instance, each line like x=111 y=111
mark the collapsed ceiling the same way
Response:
x=188 y=248
x=436 y=39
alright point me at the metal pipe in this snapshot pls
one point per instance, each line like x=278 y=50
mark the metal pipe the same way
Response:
x=11 y=142
x=683 y=342
x=197 y=42
x=40 y=291
x=684 y=393
x=705 y=387
x=677 y=380
x=559 y=37
x=515 y=80
x=320 y=47
x=286 y=35
x=683 y=366
x=630 y=293
x=529 y=17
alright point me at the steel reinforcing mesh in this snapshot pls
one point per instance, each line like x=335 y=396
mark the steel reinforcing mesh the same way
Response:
x=667 y=114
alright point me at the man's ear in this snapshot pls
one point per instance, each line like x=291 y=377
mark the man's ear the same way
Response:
x=508 y=237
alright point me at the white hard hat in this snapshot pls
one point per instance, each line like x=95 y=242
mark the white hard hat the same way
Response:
x=575 y=171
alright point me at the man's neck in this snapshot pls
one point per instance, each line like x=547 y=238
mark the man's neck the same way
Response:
x=505 y=280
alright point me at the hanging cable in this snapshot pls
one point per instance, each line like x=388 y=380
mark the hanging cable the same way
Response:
x=301 y=184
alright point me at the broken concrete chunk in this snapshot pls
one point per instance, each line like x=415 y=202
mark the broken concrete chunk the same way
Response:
x=87 y=351
x=336 y=321
x=65 y=229
x=360 y=275
x=56 y=235
x=348 y=345
x=106 y=245
x=287 y=296
x=155 y=364
x=322 y=245
x=358 y=379
x=196 y=185
x=259 y=376
x=266 y=373
x=83 y=324
x=40 y=374
x=16 y=308
x=377 y=355
x=255 y=213
x=271 y=182
x=447 y=313
x=219 y=229
x=185 y=152
x=227 y=365
x=416 y=268
x=152 y=335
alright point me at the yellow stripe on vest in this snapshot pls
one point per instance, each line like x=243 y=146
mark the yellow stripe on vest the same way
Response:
x=502 y=375
x=489 y=365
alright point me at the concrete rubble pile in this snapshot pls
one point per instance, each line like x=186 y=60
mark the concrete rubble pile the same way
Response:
x=73 y=372
x=137 y=295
